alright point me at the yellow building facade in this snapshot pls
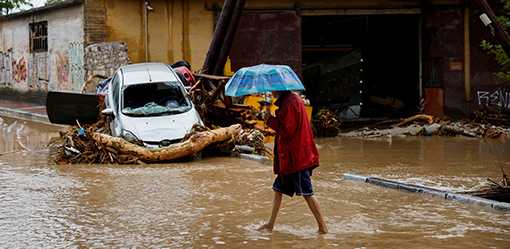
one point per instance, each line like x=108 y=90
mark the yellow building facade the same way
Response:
x=172 y=30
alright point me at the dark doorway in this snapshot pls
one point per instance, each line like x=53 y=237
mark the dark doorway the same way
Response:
x=362 y=65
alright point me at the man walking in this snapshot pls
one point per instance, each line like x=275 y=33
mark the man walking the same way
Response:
x=295 y=156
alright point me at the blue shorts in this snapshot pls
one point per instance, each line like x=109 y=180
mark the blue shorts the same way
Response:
x=298 y=183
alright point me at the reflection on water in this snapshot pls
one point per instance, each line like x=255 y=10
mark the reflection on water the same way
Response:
x=218 y=202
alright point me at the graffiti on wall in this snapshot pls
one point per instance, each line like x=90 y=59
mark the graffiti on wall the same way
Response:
x=498 y=97
x=69 y=67
x=38 y=72
x=62 y=68
x=35 y=71
x=5 y=67
x=19 y=70
x=25 y=73
x=76 y=70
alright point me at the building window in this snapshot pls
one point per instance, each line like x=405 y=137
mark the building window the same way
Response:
x=39 y=36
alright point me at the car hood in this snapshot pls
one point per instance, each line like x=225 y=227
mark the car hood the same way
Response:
x=155 y=129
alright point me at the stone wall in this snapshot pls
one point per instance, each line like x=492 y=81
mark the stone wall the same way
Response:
x=105 y=58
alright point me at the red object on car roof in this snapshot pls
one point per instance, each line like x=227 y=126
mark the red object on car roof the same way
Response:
x=186 y=75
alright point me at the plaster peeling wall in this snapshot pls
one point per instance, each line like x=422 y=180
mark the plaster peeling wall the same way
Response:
x=60 y=68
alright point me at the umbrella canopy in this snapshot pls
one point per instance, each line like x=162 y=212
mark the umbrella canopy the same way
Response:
x=263 y=78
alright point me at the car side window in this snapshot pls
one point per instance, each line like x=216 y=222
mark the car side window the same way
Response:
x=116 y=91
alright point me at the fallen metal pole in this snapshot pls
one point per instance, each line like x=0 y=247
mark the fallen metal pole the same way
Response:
x=428 y=190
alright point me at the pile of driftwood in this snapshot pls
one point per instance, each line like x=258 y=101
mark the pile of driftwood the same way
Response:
x=92 y=144
x=426 y=125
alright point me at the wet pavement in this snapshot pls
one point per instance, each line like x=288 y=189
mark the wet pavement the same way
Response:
x=218 y=202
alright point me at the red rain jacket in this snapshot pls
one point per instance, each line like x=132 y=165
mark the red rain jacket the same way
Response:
x=295 y=148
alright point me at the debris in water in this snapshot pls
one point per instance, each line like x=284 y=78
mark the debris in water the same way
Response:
x=425 y=125
x=494 y=190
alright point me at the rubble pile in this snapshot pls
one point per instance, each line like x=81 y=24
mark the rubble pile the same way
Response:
x=425 y=125
x=493 y=115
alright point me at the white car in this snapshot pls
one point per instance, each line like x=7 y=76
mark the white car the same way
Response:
x=149 y=105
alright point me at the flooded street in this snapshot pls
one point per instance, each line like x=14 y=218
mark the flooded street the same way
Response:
x=219 y=202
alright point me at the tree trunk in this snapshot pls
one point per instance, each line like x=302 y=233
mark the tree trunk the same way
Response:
x=196 y=143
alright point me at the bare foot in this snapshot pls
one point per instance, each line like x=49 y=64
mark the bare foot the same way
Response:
x=323 y=230
x=267 y=227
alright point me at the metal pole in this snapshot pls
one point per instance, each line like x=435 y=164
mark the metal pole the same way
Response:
x=146 y=29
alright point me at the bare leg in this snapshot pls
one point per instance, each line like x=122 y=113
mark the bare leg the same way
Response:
x=313 y=204
x=277 y=201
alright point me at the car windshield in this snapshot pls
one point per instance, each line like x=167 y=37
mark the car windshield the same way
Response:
x=155 y=99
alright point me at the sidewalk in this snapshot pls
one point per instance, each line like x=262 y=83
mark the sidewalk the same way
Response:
x=26 y=111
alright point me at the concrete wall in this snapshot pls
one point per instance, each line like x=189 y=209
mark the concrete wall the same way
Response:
x=60 y=68
x=177 y=29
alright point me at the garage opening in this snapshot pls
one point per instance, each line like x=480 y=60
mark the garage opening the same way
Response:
x=362 y=66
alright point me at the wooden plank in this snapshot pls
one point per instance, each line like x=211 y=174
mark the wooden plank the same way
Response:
x=210 y=77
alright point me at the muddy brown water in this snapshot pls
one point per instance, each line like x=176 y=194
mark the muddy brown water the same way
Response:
x=218 y=202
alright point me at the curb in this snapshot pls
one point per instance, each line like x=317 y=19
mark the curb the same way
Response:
x=27 y=116
x=428 y=190
x=15 y=113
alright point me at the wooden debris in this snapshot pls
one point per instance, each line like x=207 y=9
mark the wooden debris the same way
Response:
x=494 y=190
x=196 y=143
x=255 y=139
x=326 y=124
x=421 y=118
x=99 y=148
x=210 y=77
x=427 y=126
